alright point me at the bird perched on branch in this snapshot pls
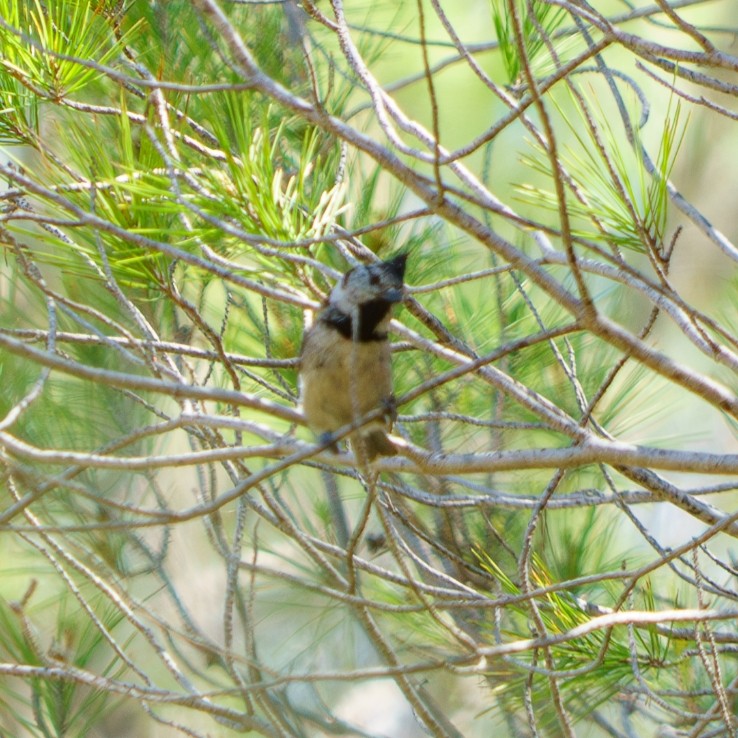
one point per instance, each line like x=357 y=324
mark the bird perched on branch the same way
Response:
x=345 y=367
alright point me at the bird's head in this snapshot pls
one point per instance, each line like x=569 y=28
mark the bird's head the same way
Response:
x=360 y=305
x=370 y=284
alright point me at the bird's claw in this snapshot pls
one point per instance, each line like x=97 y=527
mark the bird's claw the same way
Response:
x=326 y=439
x=389 y=405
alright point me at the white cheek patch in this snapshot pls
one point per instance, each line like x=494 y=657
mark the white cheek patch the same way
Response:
x=340 y=299
x=346 y=297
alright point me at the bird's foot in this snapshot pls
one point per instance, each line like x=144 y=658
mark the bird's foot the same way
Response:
x=389 y=405
x=326 y=439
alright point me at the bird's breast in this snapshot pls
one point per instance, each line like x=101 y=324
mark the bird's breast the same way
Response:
x=341 y=379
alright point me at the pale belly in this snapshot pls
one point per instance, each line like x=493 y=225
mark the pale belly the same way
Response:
x=342 y=381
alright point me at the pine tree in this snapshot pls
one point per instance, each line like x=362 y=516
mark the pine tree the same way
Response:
x=550 y=553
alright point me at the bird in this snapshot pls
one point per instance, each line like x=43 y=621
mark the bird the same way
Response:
x=345 y=368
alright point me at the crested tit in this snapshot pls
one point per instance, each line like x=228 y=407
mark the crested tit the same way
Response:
x=345 y=367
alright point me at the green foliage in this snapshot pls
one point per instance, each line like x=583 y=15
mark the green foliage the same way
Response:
x=538 y=20
x=49 y=707
x=625 y=205
x=599 y=663
x=281 y=187
x=48 y=51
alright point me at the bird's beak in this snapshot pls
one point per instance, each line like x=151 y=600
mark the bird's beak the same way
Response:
x=394 y=295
